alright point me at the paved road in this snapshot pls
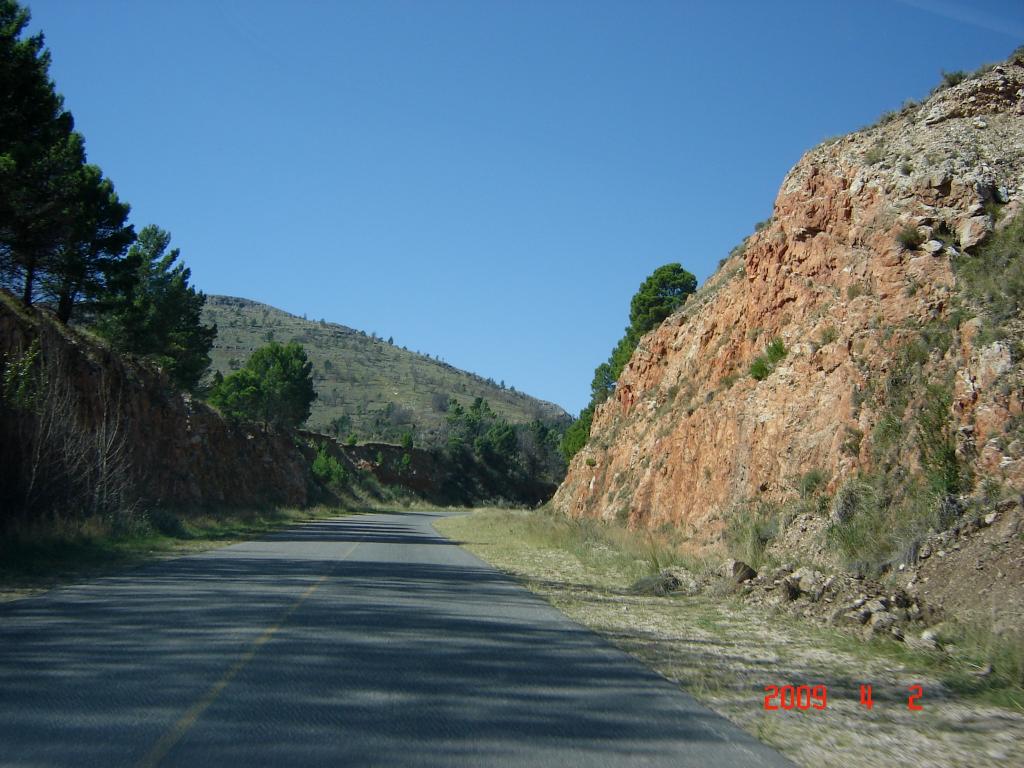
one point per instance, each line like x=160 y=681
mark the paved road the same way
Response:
x=367 y=640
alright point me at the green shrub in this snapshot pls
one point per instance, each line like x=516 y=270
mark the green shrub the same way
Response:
x=936 y=442
x=591 y=462
x=352 y=439
x=910 y=238
x=878 y=520
x=764 y=364
x=828 y=335
x=851 y=444
x=993 y=209
x=166 y=522
x=949 y=79
x=327 y=469
x=811 y=482
x=859 y=524
x=775 y=351
x=728 y=380
x=20 y=383
x=759 y=369
x=856 y=289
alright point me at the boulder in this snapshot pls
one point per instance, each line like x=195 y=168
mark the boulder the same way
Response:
x=789 y=589
x=878 y=605
x=810 y=582
x=922 y=642
x=973 y=231
x=671 y=580
x=737 y=571
x=882 y=620
x=854 y=617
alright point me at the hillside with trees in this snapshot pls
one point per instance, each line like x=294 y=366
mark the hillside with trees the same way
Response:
x=366 y=386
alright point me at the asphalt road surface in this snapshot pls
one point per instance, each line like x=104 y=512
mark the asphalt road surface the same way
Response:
x=363 y=641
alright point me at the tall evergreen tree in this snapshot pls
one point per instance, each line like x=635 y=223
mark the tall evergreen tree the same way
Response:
x=157 y=314
x=659 y=296
x=90 y=258
x=39 y=156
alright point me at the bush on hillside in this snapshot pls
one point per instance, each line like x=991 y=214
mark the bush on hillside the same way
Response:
x=993 y=279
x=327 y=469
x=764 y=364
x=910 y=238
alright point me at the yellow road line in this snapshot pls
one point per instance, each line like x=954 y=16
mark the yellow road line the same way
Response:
x=187 y=720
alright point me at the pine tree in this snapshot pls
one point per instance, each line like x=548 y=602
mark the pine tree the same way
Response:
x=664 y=291
x=39 y=156
x=88 y=262
x=275 y=387
x=157 y=314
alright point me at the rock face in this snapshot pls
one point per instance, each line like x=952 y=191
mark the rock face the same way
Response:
x=690 y=433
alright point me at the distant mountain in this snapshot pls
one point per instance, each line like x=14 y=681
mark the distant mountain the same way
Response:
x=364 y=384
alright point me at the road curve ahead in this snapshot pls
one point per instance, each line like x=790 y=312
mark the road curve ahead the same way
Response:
x=362 y=641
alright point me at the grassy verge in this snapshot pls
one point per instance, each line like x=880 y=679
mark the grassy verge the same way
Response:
x=725 y=652
x=40 y=557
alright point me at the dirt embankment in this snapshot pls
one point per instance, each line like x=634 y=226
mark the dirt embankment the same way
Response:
x=172 y=449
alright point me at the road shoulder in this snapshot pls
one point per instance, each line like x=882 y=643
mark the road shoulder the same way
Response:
x=725 y=654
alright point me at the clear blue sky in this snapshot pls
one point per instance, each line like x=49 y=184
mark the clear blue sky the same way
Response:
x=487 y=181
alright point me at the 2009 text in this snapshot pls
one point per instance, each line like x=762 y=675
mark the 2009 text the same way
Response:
x=816 y=697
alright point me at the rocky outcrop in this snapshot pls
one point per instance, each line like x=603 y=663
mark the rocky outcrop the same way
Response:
x=854 y=263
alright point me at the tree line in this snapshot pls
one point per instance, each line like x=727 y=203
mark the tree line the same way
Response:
x=65 y=239
x=476 y=433
x=65 y=242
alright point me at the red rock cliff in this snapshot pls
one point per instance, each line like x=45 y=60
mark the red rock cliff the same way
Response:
x=689 y=432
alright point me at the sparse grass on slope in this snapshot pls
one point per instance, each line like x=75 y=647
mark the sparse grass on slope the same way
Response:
x=364 y=384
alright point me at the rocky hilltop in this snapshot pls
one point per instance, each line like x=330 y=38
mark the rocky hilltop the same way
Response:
x=856 y=274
